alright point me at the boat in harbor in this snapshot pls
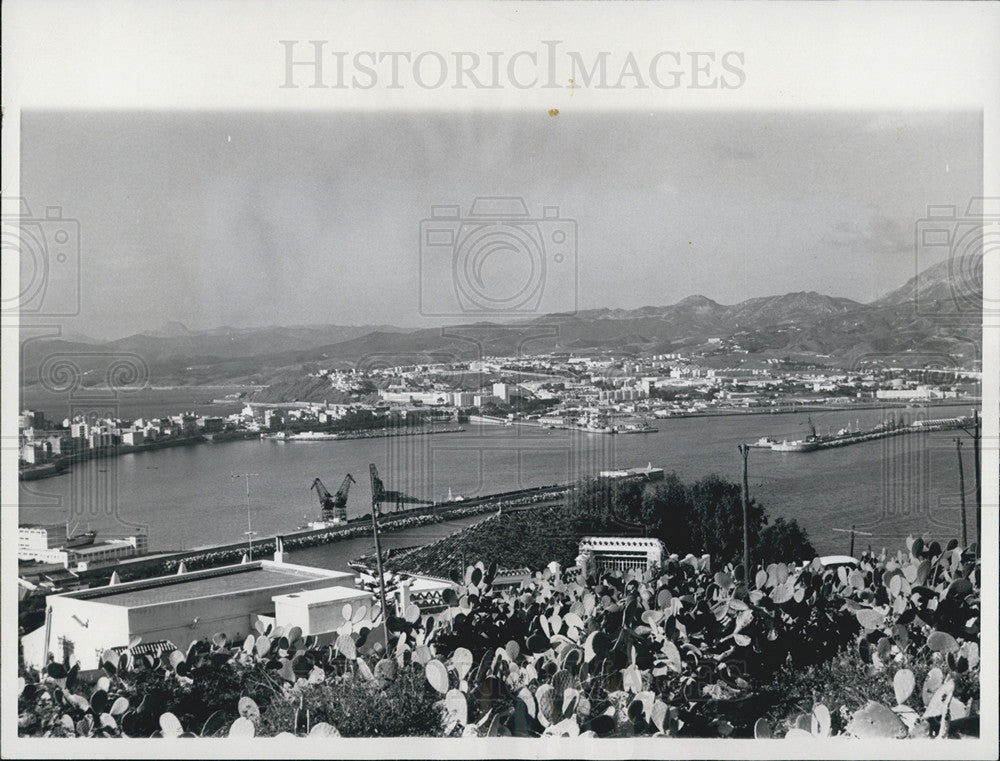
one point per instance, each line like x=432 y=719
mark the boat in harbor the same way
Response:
x=81 y=540
x=312 y=436
x=640 y=427
x=808 y=444
x=800 y=445
x=34 y=472
x=847 y=436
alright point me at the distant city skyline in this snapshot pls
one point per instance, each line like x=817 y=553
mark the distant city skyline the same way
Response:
x=253 y=219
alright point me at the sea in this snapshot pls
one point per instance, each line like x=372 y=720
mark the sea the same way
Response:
x=188 y=497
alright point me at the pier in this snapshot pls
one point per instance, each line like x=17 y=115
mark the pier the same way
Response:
x=161 y=563
x=814 y=444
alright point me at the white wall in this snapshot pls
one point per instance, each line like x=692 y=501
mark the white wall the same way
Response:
x=90 y=626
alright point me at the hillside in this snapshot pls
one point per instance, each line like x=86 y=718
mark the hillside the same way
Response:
x=934 y=318
x=499 y=538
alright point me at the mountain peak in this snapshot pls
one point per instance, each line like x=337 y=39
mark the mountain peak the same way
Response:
x=698 y=302
x=170 y=329
x=957 y=278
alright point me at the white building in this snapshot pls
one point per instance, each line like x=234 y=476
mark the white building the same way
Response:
x=618 y=553
x=319 y=611
x=174 y=610
x=95 y=555
x=920 y=392
x=462 y=398
x=133 y=438
x=427 y=398
x=34 y=538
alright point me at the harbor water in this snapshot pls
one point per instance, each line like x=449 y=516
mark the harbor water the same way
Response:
x=186 y=497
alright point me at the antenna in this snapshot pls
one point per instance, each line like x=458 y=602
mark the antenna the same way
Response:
x=250 y=532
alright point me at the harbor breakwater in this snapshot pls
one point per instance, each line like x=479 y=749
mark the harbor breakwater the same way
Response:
x=227 y=554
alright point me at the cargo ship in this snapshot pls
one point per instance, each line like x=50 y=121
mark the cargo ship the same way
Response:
x=642 y=427
x=312 y=436
x=34 y=472
x=846 y=436
x=800 y=445
x=302 y=436
x=81 y=540
x=808 y=444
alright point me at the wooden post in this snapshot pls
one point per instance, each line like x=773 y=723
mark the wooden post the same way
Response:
x=853 y=532
x=961 y=493
x=378 y=562
x=745 y=450
x=979 y=488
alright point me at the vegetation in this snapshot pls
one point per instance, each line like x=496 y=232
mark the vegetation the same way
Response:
x=887 y=650
x=704 y=517
x=554 y=537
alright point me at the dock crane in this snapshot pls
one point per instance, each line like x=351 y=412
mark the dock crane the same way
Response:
x=335 y=504
x=380 y=496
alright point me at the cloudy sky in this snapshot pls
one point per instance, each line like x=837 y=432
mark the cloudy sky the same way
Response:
x=248 y=219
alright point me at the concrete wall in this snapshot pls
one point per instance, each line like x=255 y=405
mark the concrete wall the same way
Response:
x=187 y=620
x=319 y=618
x=89 y=627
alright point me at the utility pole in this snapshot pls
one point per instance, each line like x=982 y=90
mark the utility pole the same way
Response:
x=852 y=532
x=961 y=493
x=247 y=477
x=979 y=490
x=976 y=437
x=745 y=450
x=378 y=554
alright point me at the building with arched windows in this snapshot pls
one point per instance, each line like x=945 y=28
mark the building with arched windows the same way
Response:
x=619 y=553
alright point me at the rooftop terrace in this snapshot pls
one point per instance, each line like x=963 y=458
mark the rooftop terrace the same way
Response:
x=220 y=581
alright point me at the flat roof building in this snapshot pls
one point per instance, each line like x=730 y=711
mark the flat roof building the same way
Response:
x=619 y=553
x=176 y=609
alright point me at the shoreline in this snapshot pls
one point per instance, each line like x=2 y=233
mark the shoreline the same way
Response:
x=63 y=464
x=163 y=562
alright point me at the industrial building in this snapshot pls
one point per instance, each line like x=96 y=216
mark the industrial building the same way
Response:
x=174 y=610
x=52 y=544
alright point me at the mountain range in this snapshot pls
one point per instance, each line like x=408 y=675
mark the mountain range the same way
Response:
x=932 y=320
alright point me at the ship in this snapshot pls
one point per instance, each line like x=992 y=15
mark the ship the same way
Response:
x=312 y=436
x=640 y=427
x=28 y=472
x=282 y=436
x=800 y=445
x=81 y=540
x=808 y=444
x=84 y=539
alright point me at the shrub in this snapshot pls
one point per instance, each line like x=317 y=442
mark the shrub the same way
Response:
x=680 y=651
x=783 y=541
x=361 y=708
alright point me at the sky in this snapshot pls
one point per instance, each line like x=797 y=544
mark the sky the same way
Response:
x=257 y=218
